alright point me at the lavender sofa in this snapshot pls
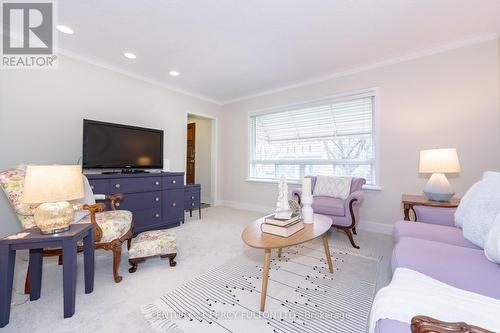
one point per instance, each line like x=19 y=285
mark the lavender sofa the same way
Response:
x=436 y=248
x=344 y=213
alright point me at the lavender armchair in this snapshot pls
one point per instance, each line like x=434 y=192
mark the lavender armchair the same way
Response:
x=344 y=213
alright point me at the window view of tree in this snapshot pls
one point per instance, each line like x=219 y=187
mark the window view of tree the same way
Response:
x=329 y=139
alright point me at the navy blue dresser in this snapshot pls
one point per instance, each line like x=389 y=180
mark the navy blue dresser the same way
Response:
x=156 y=199
x=192 y=198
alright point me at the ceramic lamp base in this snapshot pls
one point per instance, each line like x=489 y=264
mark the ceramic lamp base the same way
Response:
x=307 y=211
x=438 y=188
x=54 y=217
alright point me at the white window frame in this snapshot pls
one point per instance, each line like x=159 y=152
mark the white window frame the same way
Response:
x=371 y=92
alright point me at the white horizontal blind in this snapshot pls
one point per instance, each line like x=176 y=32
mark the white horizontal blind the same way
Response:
x=328 y=138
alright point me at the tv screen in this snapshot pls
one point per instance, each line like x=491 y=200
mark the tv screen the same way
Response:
x=107 y=145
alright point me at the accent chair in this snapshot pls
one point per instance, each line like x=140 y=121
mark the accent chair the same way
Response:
x=113 y=227
x=344 y=213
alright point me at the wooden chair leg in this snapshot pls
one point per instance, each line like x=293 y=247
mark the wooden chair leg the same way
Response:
x=27 y=282
x=171 y=258
x=129 y=241
x=116 y=247
x=354 y=230
x=351 y=239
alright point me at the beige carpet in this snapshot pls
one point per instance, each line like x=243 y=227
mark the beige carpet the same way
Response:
x=203 y=245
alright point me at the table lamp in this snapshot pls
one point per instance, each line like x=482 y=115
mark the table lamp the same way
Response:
x=52 y=186
x=438 y=162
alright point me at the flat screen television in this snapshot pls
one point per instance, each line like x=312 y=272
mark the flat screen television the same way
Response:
x=114 y=146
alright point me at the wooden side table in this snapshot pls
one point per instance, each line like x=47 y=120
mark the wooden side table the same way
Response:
x=410 y=200
x=254 y=237
x=34 y=241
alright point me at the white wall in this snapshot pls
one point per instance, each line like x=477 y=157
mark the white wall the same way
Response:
x=41 y=114
x=203 y=156
x=450 y=99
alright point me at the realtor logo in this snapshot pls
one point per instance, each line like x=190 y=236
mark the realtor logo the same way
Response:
x=28 y=35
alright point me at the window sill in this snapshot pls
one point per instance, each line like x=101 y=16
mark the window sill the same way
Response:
x=296 y=182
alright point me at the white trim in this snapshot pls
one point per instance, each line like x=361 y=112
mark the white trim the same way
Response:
x=374 y=65
x=298 y=183
x=381 y=228
x=214 y=190
x=133 y=75
x=335 y=98
x=341 y=73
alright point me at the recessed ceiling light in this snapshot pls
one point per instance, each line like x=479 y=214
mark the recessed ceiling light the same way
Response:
x=65 y=29
x=129 y=55
x=174 y=73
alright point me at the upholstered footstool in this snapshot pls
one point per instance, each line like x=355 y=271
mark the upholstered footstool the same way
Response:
x=150 y=244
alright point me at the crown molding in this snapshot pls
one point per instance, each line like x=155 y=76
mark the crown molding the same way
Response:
x=133 y=75
x=346 y=72
x=382 y=63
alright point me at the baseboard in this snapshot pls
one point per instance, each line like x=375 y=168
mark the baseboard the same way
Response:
x=381 y=228
x=248 y=206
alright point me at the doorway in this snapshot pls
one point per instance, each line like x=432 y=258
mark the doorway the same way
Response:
x=199 y=155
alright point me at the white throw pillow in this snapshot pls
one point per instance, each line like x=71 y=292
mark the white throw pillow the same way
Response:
x=492 y=243
x=336 y=187
x=478 y=210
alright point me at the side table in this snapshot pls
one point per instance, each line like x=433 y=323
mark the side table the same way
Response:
x=33 y=240
x=410 y=200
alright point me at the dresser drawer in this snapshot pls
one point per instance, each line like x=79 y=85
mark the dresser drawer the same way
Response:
x=170 y=182
x=140 y=201
x=173 y=204
x=132 y=185
x=192 y=204
x=146 y=218
x=99 y=186
x=189 y=196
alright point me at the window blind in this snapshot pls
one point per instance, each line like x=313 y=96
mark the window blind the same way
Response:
x=330 y=138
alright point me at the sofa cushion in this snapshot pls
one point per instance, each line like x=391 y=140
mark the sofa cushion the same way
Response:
x=433 y=232
x=392 y=326
x=328 y=206
x=458 y=266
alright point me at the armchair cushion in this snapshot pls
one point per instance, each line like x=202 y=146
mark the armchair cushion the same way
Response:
x=113 y=223
x=328 y=206
x=330 y=186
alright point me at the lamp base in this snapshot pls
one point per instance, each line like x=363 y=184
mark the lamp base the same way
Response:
x=54 y=217
x=438 y=188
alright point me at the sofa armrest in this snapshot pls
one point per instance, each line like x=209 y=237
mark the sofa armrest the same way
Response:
x=424 y=324
x=435 y=215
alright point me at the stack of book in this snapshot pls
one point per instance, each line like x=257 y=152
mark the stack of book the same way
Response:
x=284 y=227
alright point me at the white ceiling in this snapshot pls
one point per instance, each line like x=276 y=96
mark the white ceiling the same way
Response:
x=228 y=49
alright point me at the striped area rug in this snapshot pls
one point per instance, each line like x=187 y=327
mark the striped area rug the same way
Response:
x=303 y=296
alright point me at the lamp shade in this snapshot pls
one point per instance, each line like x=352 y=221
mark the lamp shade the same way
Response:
x=52 y=183
x=439 y=161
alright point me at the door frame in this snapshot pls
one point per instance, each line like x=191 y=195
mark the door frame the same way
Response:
x=214 y=184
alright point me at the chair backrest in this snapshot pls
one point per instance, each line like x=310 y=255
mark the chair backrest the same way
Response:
x=12 y=183
x=356 y=183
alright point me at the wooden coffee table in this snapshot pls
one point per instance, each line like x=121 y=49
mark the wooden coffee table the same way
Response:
x=254 y=237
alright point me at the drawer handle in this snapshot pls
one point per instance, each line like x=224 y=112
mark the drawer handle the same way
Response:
x=157 y=183
x=117 y=204
x=192 y=197
x=157 y=215
x=117 y=185
x=192 y=204
x=174 y=181
x=157 y=199
x=92 y=187
x=174 y=204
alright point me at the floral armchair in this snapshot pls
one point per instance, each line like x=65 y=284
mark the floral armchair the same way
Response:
x=113 y=227
x=344 y=213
